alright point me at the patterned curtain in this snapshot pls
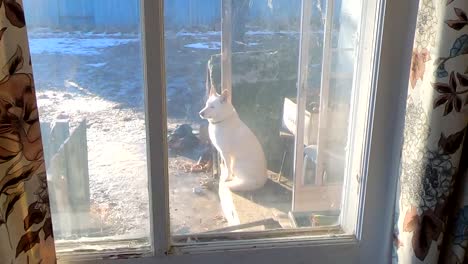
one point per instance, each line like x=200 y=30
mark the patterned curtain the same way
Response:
x=25 y=221
x=434 y=155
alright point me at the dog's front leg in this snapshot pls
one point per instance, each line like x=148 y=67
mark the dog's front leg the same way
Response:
x=225 y=169
x=230 y=168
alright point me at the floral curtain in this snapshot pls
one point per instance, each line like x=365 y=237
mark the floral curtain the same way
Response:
x=433 y=158
x=25 y=221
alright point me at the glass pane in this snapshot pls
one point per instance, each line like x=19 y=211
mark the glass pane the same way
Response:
x=235 y=170
x=264 y=64
x=326 y=109
x=87 y=63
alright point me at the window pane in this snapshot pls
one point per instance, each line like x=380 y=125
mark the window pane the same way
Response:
x=327 y=98
x=236 y=170
x=87 y=63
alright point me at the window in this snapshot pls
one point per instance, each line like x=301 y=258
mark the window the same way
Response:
x=316 y=88
x=91 y=102
x=259 y=60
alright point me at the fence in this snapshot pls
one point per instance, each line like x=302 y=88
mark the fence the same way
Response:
x=123 y=15
x=66 y=156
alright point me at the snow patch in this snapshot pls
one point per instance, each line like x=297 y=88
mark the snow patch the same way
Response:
x=97 y=65
x=213 y=45
x=105 y=34
x=198 y=34
x=260 y=32
x=75 y=46
x=71 y=103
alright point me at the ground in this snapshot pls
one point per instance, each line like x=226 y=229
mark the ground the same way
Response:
x=98 y=77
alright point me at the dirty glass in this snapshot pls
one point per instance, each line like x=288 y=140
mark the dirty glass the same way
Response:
x=328 y=73
x=86 y=57
x=219 y=180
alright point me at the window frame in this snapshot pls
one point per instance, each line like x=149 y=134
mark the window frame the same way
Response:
x=373 y=241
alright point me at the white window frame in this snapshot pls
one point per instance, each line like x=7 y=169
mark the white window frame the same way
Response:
x=377 y=184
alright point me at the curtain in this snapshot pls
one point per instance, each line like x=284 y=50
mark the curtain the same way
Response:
x=431 y=213
x=25 y=220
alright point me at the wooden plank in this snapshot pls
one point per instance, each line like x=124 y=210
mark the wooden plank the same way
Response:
x=69 y=179
x=152 y=33
x=59 y=194
x=324 y=94
x=302 y=77
x=45 y=136
x=225 y=195
x=59 y=133
x=76 y=153
x=226 y=46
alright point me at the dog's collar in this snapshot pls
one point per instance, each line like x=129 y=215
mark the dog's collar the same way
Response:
x=220 y=121
x=214 y=123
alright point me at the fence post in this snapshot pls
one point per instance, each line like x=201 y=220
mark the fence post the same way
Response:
x=76 y=155
x=69 y=176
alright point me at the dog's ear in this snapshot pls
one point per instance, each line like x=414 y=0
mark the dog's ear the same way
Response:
x=212 y=91
x=225 y=96
x=209 y=83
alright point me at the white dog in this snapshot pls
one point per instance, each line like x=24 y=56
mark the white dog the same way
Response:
x=243 y=156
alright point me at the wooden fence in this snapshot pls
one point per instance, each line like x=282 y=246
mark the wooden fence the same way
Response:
x=66 y=156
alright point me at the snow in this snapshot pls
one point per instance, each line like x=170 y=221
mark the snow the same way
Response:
x=117 y=34
x=250 y=32
x=73 y=103
x=198 y=34
x=260 y=32
x=213 y=45
x=46 y=33
x=75 y=45
x=97 y=65
x=85 y=105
